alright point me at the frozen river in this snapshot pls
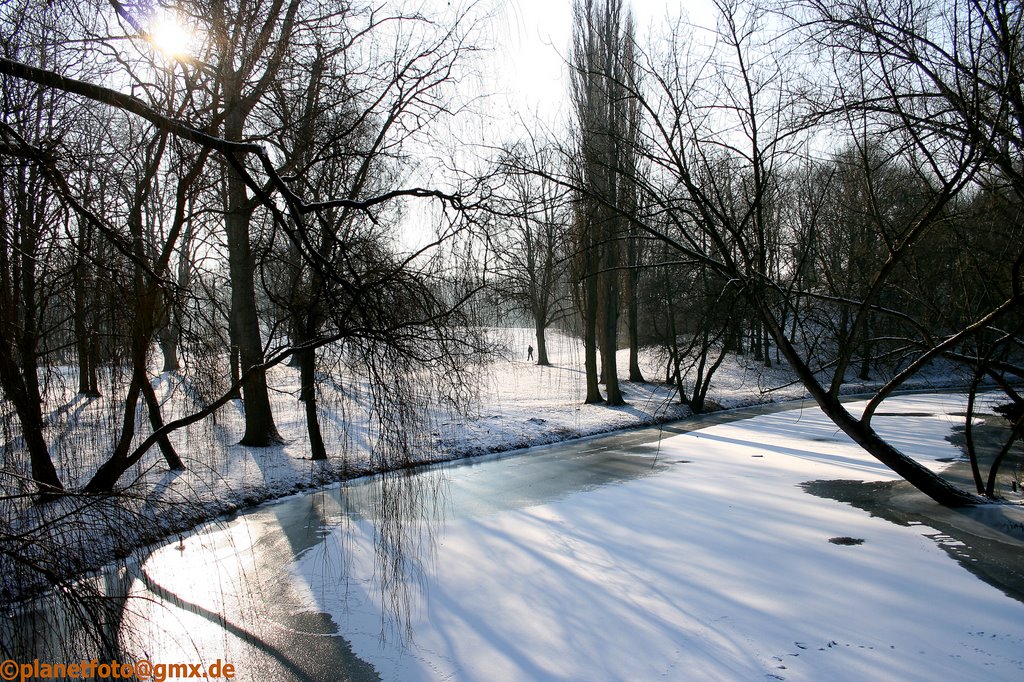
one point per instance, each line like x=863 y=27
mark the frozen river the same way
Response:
x=687 y=552
x=238 y=589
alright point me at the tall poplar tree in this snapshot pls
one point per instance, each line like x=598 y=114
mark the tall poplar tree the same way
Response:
x=603 y=76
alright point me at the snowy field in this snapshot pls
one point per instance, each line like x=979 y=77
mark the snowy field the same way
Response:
x=716 y=566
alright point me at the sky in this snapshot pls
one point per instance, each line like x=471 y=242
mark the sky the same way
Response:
x=522 y=80
x=532 y=40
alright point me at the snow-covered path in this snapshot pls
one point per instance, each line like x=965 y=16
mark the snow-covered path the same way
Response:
x=717 y=566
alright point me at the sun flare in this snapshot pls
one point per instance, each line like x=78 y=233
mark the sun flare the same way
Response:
x=170 y=37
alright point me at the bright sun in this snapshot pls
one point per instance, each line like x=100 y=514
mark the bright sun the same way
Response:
x=170 y=37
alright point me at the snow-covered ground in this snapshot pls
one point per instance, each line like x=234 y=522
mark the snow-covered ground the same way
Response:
x=520 y=404
x=716 y=566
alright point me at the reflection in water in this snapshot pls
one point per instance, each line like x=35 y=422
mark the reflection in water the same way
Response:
x=276 y=590
x=85 y=616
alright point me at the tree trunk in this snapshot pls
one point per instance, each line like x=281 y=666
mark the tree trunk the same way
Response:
x=94 y=363
x=157 y=422
x=590 y=339
x=922 y=478
x=30 y=414
x=85 y=340
x=675 y=374
x=260 y=430
x=865 y=361
x=244 y=327
x=21 y=380
x=734 y=333
x=610 y=322
x=107 y=475
x=633 y=315
x=307 y=394
x=632 y=280
x=236 y=369
x=608 y=307
x=542 y=347
x=168 y=340
x=865 y=365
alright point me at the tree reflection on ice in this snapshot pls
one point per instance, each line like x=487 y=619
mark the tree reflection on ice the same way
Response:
x=230 y=590
x=283 y=586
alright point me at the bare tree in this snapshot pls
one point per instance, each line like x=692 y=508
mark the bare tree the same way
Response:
x=533 y=227
x=34 y=120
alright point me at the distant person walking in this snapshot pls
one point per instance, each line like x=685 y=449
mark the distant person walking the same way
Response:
x=529 y=352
